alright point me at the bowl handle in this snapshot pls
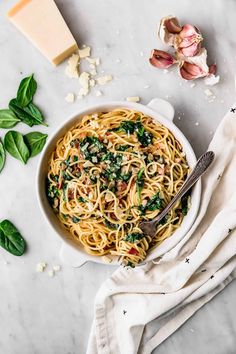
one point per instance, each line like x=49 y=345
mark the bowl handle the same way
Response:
x=162 y=107
x=71 y=257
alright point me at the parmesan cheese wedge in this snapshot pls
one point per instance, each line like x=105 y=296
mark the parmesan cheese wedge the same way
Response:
x=42 y=23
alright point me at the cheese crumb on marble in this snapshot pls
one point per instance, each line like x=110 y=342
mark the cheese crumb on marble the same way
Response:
x=146 y=86
x=70 y=97
x=41 y=267
x=133 y=99
x=98 y=93
x=208 y=92
x=51 y=273
x=93 y=72
x=94 y=61
x=192 y=85
x=72 y=69
x=106 y=259
x=56 y=268
x=85 y=52
x=103 y=80
x=92 y=82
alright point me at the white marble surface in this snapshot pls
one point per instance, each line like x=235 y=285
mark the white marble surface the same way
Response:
x=42 y=315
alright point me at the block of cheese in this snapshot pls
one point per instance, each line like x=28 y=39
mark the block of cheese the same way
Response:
x=42 y=23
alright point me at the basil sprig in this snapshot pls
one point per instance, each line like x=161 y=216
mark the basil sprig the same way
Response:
x=2 y=156
x=15 y=145
x=8 y=119
x=30 y=115
x=26 y=91
x=10 y=239
x=22 y=109
x=35 y=142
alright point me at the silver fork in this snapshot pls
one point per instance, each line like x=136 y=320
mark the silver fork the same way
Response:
x=149 y=227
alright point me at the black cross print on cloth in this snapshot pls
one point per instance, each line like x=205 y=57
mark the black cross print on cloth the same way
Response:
x=212 y=277
x=229 y=231
x=204 y=270
x=233 y=110
x=124 y=312
x=219 y=177
x=162 y=293
x=187 y=260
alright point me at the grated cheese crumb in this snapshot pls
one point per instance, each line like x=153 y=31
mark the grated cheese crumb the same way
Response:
x=41 y=267
x=51 y=273
x=70 y=97
x=93 y=72
x=98 y=93
x=72 y=69
x=56 y=268
x=133 y=99
x=94 y=61
x=106 y=259
x=104 y=79
x=85 y=52
x=208 y=92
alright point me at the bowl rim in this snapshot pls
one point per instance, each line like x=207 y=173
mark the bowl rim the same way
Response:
x=108 y=105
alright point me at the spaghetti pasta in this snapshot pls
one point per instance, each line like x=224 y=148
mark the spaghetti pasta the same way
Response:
x=111 y=171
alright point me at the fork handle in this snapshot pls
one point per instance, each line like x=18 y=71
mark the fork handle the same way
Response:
x=201 y=166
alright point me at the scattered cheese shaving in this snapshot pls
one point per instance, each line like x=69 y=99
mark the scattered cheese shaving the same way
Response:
x=83 y=53
x=208 y=92
x=104 y=79
x=94 y=61
x=92 y=82
x=133 y=99
x=72 y=69
x=93 y=72
x=41 y=267
x=51 y=273
x=84 y=79
x=70 y=97
x=56 y=268
x=211 y=80
x=192 y=85
x=98 y=93
x=106 y=259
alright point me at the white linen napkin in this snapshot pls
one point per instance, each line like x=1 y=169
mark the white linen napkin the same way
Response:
x=171 y=289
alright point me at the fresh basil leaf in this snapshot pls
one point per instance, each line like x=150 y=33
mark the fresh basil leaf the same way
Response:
x=2 y=156
x=11 y=239
x=15 y=145
x=26 y=91
x=35 y=142
x=8 y=119
x=29 y=115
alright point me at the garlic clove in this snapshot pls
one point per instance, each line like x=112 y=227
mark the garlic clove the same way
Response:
x=172 y=25
x=161 y=59
x=190 y=71
x=200 y=60
x=166 y=36
x=190 y=31
x=191 y=50
x=212 y=69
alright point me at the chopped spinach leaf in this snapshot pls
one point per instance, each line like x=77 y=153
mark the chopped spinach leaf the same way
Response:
x=75 y=220
x=81 y=200
x=134 y=236
x=123 y=147
x=110 y=225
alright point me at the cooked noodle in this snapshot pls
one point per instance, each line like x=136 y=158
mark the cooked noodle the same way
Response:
x=111 y=171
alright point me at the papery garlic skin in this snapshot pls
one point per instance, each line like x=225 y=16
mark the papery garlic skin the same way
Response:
x=200 y=60
x=164 y=34
x=161 y=59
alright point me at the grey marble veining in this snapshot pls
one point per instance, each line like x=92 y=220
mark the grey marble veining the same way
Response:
x=42 y=315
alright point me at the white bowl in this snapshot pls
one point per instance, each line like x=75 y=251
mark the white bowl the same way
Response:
x=158 y=109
